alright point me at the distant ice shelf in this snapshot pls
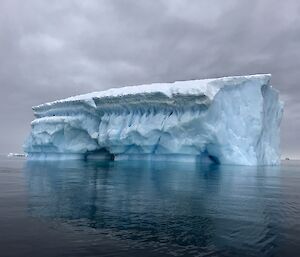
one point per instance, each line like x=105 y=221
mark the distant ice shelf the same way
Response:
x=10 y=155
x=231 y=120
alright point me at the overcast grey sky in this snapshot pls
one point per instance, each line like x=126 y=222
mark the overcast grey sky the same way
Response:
x=57 y=48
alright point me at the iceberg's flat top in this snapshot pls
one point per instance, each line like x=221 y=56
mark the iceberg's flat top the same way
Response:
x=206 y=87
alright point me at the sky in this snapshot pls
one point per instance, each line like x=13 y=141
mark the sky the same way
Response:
x=58 y=48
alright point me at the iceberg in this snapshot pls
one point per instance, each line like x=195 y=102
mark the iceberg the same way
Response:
x=230 y=120
x=11 y=155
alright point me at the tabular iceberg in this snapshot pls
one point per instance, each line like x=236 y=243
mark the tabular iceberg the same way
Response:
x=231 y=120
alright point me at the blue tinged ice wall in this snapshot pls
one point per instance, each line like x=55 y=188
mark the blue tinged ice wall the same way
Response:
x=232 y=120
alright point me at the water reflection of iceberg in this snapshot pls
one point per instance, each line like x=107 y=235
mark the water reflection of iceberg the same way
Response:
x=184 y=206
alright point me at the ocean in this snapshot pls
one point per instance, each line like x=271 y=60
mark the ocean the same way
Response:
x=139 y=208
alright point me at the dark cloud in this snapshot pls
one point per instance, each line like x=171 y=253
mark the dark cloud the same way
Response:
x=53 y=49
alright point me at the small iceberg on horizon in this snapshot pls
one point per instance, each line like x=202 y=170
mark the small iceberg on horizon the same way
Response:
x=16 y=155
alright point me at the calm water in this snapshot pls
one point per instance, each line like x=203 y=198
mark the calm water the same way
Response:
x=148 y=209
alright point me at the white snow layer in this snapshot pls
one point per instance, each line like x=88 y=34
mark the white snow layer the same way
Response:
x=232 y=120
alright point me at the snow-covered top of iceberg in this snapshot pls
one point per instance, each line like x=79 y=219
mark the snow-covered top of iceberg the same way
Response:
x=204 y=87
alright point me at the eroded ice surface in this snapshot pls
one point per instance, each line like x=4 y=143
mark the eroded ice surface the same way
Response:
x=232 y=120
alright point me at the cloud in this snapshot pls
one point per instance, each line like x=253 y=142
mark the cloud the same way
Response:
x=41 y=44
x=54 y=49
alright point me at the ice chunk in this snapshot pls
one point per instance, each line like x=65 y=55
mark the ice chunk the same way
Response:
x=231 y=120
x=11 y=155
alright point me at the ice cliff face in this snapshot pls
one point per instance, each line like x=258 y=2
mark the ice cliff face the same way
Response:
x=232 y=120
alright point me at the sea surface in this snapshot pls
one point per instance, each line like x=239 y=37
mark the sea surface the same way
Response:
x=148 y=209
